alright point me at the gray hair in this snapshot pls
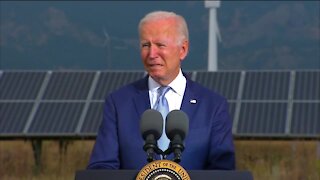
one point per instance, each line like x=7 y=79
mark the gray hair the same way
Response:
x=160 y=15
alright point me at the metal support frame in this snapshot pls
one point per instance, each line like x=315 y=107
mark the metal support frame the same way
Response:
x=37 y=151
x=87 y=104
x=290 y=102
x=238 y=102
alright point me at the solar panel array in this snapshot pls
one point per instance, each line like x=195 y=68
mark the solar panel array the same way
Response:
x=267 y=104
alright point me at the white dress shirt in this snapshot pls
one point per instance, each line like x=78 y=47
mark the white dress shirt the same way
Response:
x=174 y=96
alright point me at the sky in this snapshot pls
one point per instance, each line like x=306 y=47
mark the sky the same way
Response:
x=102 y=35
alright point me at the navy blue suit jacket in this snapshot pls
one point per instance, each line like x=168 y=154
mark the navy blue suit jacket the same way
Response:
x=208 y=145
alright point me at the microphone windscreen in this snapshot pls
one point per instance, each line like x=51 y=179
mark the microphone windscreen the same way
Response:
x=151 y=123
x=177 y=122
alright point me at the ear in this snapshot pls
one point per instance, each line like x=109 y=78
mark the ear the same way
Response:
x=184 y=49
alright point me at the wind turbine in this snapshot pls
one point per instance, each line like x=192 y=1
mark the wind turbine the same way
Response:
x=213 y=35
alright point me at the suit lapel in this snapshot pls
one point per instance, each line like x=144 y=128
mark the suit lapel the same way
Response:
x=190 y=101
x=141 y=99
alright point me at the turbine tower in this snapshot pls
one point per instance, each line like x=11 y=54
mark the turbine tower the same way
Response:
x=214 y=35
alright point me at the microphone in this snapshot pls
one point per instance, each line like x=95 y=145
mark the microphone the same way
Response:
x=151 y=125
x=177 y=127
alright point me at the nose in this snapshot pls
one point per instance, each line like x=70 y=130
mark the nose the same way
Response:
x=153 y=52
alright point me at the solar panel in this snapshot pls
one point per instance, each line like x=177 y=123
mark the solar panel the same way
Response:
x=69 y=85
x=14 y=116
x=266 y=86
x=262 y=118
x=307 y=85
x=93 y=118
x=273 y=103
x=56 y=117
x=306 y=119
x=20 y=85
x=232 y=109
x=225 y=83
x=110 y=81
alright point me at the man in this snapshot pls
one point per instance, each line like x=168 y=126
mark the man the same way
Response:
x=164 y=45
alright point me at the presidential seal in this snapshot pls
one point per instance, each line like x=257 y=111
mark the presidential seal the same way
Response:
x=163 y=170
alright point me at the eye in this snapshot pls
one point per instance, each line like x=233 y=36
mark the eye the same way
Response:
x=145 y=45
x=161 y=45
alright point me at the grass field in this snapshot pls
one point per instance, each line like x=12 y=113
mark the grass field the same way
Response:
x=267 y=160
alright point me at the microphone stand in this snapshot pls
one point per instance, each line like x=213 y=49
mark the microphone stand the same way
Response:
x=161 y=153
x=150 y=147
x=177 y=149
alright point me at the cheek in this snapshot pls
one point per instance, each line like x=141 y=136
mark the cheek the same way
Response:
x=143 y=55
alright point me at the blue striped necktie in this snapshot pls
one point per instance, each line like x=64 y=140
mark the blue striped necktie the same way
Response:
x=163 y=107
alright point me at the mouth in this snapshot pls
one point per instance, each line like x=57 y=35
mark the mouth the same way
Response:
x=155 y=65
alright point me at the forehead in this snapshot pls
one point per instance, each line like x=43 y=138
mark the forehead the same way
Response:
x=160 y=21
x=159 y=28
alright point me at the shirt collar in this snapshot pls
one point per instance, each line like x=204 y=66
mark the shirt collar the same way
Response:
x=178 y=84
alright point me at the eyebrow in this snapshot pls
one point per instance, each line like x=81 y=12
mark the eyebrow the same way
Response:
x=155 y=42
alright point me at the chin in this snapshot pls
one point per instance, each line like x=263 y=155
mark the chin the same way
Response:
x=157 y=75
